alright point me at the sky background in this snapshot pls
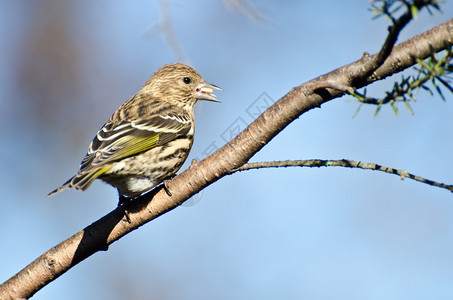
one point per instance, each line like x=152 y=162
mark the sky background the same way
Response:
x=301 y=233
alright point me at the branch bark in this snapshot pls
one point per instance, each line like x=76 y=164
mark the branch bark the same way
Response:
x=99 y=235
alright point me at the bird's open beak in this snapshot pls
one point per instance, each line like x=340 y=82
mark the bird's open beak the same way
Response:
x=204 y=92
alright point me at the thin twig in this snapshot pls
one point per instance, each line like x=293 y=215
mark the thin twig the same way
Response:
x=340 y=163
x=398 y=24
x=373 y=63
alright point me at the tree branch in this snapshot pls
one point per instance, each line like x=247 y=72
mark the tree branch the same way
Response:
x=99 y=235
x=372 y=63
x=339 y=163
x=398 y=24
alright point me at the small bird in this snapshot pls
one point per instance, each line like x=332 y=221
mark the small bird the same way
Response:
x=149 y=137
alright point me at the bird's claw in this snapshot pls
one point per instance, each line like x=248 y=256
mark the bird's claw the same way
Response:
x=124 y=201
x=167 y=190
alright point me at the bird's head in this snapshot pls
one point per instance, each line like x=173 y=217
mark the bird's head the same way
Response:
x=180 y=83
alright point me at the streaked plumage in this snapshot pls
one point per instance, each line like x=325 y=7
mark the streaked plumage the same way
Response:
x=149 y=137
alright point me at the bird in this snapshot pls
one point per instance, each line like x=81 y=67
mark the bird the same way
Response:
x=148 y=138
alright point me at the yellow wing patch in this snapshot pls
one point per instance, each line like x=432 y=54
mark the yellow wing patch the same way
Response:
x=131 y=145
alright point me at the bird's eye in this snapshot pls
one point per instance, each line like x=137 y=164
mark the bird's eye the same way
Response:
x=186 y=80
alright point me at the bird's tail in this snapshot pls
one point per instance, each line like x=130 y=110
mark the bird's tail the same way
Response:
x=66 y=185
x=81 y=181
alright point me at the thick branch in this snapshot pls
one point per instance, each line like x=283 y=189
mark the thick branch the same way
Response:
x=299 y=100
x=340 y=163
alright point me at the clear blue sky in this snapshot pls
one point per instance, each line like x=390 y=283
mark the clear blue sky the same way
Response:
x=328 y=233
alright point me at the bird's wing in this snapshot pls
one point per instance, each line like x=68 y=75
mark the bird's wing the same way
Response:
x=118 y=141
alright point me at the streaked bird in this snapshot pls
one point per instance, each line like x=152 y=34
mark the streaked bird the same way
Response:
x=149 y=137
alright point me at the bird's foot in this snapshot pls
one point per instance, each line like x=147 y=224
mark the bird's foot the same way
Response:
x=167 y=190
x=124 y=201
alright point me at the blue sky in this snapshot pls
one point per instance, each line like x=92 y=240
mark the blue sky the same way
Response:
x=281 y=233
